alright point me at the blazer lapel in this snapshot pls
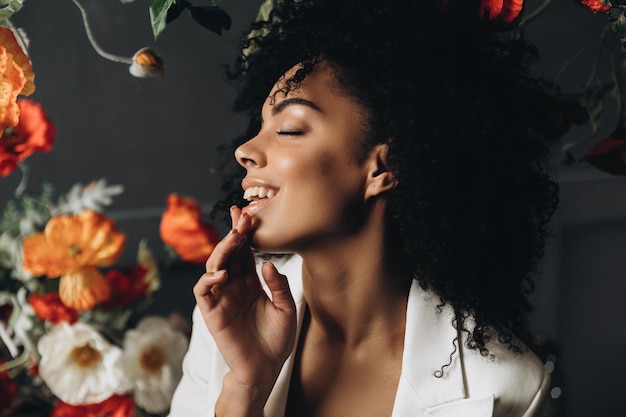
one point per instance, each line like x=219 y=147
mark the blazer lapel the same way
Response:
x=432 y=379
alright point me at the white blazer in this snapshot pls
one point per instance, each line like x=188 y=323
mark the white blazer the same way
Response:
x=508 y=384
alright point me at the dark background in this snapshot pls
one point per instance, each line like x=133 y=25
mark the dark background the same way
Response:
x=157 y=136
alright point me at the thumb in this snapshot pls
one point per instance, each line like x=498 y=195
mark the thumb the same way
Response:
x=278 y=286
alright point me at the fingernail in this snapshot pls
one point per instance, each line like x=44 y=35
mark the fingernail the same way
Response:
x=230 y=233
x=240 y=220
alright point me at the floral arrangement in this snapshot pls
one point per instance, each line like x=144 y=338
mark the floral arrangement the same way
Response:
x=74 y=336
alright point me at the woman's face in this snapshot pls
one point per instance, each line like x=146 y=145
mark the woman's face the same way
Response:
x=305 y=181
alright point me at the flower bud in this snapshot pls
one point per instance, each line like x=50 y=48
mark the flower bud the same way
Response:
x=146 y=63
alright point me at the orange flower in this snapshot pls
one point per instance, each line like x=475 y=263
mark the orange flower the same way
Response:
x=146 y=63
x=49 y=307
x=71 y=246
x=115 y=406
x=181 y=229
x=491 y=15
x=597 y=6
x=33 y=133
x=16 y=77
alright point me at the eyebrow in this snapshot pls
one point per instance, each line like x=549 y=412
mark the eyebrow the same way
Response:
x=280 y=106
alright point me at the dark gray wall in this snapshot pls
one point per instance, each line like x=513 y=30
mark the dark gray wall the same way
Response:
x=157 y=136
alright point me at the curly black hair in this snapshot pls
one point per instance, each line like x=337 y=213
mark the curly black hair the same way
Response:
x=456 y=105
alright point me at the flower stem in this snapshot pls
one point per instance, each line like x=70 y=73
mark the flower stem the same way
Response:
x=536 y=13
x=21 y=187
x=92 y=40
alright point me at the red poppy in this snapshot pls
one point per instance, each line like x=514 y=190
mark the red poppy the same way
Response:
x=609 y=155
x=127 y=288
x=597 y=6
x=49 y=307
x=115 y=406
x=182 y=229
x=557 y=116
x=493 y=15
x=33 y=133
x=8 y=393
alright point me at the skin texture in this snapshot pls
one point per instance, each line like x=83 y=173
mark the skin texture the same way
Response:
x=328 y=207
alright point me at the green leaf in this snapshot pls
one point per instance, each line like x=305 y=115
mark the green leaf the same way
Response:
x=210 y=17
x=176 y=9
x=158 y=15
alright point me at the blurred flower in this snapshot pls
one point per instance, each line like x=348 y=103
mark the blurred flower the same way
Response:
x=182 y=229
x=16 y=77
x=93 y=196
x=146 y=63
x=33 y=133
x=597 y=6
x=71 y=246
x=492 y=15
x=153 y=355
x=140 y=281
x=115 y=406
x=609 y=155
x=8 y=393
x=49 y=307
x=79 y=365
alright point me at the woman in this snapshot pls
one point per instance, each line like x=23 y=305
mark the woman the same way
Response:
x=396 y=161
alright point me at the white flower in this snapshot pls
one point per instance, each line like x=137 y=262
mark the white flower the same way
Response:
x=79 y=365
x=153 y=355
x=94 y=196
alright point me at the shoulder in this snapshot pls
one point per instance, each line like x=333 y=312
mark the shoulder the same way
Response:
x=519 y=382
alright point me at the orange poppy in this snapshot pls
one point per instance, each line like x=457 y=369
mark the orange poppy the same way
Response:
x=597 y=6
x=16 y=77
x=182 y=229
x=115 y=406
x=490 y=15
x=71 y=247
x=33 y=133
x=49 y=307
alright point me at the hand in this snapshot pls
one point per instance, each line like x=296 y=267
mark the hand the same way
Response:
x=254 y=334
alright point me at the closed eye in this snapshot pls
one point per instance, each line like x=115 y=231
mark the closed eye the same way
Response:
x=289 y=132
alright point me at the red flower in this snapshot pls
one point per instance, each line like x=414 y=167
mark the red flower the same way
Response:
x=126 y=288
x=597 y=6
x=115 y=406
x=493 y=15
x=181 y=229
x=33 y=133
x=8 y=393
x=609 y=155
x=557 y=115
x=49 y=307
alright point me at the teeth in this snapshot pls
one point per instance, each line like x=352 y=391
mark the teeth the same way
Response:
x=255 y=193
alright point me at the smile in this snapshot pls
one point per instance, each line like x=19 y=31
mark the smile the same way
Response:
x=256 y=194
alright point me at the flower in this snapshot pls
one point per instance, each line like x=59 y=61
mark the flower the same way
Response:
x=597 y=6
x=141 y=280
x=182 y=229
x=153 y=355
x=8 y=392
x=79 y=365
x=609 y=155
x=492 y=15
x=49 y=307
x=33 y=133
x=16 y=77
x=115 y=406
x=146 y=63
x=72 y=246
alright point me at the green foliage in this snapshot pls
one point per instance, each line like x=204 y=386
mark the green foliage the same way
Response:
x=163 y=12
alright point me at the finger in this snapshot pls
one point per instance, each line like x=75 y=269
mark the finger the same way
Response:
x=207 y=289
x=222 y=251
x=278 y=286
x=235 y=215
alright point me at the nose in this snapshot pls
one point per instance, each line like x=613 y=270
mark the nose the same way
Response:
x=250 y=154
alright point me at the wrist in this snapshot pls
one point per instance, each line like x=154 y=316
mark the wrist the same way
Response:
x=242 y=400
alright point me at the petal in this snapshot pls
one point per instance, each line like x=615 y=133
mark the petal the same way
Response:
x=83 y=289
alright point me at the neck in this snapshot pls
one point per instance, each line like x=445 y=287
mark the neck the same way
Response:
x=352 y=290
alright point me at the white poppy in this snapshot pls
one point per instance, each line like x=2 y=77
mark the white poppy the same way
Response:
x=153 y=356
x=79 y=365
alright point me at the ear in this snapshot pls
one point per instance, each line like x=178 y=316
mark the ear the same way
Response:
x=379 y=176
